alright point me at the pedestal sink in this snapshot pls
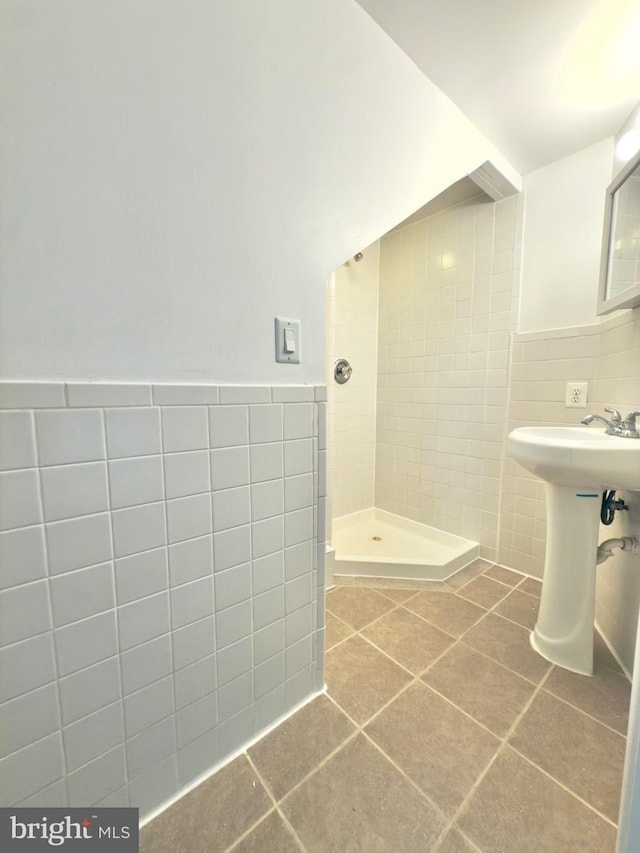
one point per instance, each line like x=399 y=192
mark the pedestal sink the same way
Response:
x=577 y=465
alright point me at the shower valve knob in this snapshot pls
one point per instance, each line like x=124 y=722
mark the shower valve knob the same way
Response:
x=342 y=370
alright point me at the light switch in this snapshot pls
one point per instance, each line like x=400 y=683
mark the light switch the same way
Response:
x=289 y=340
x=287 y=334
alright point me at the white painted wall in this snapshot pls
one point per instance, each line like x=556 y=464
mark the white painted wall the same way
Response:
x=175 y=174
x=564 y=214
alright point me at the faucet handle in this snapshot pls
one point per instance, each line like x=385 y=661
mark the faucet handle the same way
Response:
x=630 y=421
x=616 y=417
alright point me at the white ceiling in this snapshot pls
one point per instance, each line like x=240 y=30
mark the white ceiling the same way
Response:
x=540 y=78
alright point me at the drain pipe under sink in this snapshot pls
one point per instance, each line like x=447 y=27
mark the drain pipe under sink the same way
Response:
x=627 y=543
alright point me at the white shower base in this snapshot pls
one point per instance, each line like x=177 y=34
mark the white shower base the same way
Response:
x=378 y=544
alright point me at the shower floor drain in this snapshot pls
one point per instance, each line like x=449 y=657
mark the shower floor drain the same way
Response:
x=376 y=538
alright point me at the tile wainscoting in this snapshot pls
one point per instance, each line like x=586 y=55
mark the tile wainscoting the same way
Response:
x=162 y=552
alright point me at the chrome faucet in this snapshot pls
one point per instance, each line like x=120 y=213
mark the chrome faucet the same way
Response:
x=623 y=428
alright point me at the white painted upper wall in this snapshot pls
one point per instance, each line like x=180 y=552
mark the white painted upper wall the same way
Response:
x=563 y=224
x=176 y=174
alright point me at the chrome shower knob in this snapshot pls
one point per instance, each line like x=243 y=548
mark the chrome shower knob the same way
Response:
x=342 y=371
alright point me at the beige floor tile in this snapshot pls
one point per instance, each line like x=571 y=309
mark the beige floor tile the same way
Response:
x=408 y=639
x=520 y=607
x=579 y=752
x=357 y=607
x=484 y=591
x=358 y=802
x=483 y=688
x=289 y=753
x=466 y=574
x=398 y=595
x=517 y=808
x=212 y=816
x=499 y=573
x=361 y=679
x=436 y=745
x=602 y=655
x=509 y=645
x=446 y=610
x=335 y=630
x=455 y=842
x=531 y=586
x=605 y=695
x=270 y=836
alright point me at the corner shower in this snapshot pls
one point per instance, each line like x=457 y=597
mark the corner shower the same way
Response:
x=423 y=316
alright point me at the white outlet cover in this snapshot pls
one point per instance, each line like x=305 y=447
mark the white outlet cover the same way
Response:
x=576 y=395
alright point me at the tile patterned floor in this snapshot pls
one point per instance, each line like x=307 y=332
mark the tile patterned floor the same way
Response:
x=441 y=731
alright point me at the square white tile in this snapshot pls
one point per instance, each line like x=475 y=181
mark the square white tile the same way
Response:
x=231 y=508
x=193 y=642
x=135 y=481
x=146 y=749
x=228 y=425
x=298 y=457
x=141 y=575
x=89 y=689
x=32 y=768
x=229 y=467
x=145 y=664
x=265 y=423
x=24 y=612
x=88 y=738
x=189 y=518
x=17 y=441
x=87 y=642
x=143 y=620
x=185 y=428
x=138 y=528
x=298 y=492
x=267 y=499
x=77 y=595
x=65 y=437
x=148 y=706
x=235 y=660
x=267 y=572
x=266 y=536
x=186 y=473
x=26 y=666
x=133 y=432
x=22 y=555
x=28 y=718
x=233 y=624
x=195 y=681
x=265 y=462
x=190 y=560
x=232 y=586
x=70 y=491
x=231 y=547
x=191 y=602
x=19 y=499
x=298 y=420
x=78 y=542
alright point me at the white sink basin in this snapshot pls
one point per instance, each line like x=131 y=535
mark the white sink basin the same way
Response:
x=578 y=456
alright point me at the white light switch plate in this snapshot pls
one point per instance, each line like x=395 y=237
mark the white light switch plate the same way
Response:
x=280 y=324
x=576 y=395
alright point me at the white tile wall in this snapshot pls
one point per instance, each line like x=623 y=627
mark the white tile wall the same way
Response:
x=352 y=312
x=147 y=627
x=444 y=324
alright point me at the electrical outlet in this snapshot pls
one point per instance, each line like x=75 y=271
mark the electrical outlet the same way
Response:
x=576 y=395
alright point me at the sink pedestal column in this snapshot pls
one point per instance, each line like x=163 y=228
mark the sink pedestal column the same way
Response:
x=564 y=631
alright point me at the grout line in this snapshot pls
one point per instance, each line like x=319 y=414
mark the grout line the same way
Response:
x=276 y=806
x=561 y=785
